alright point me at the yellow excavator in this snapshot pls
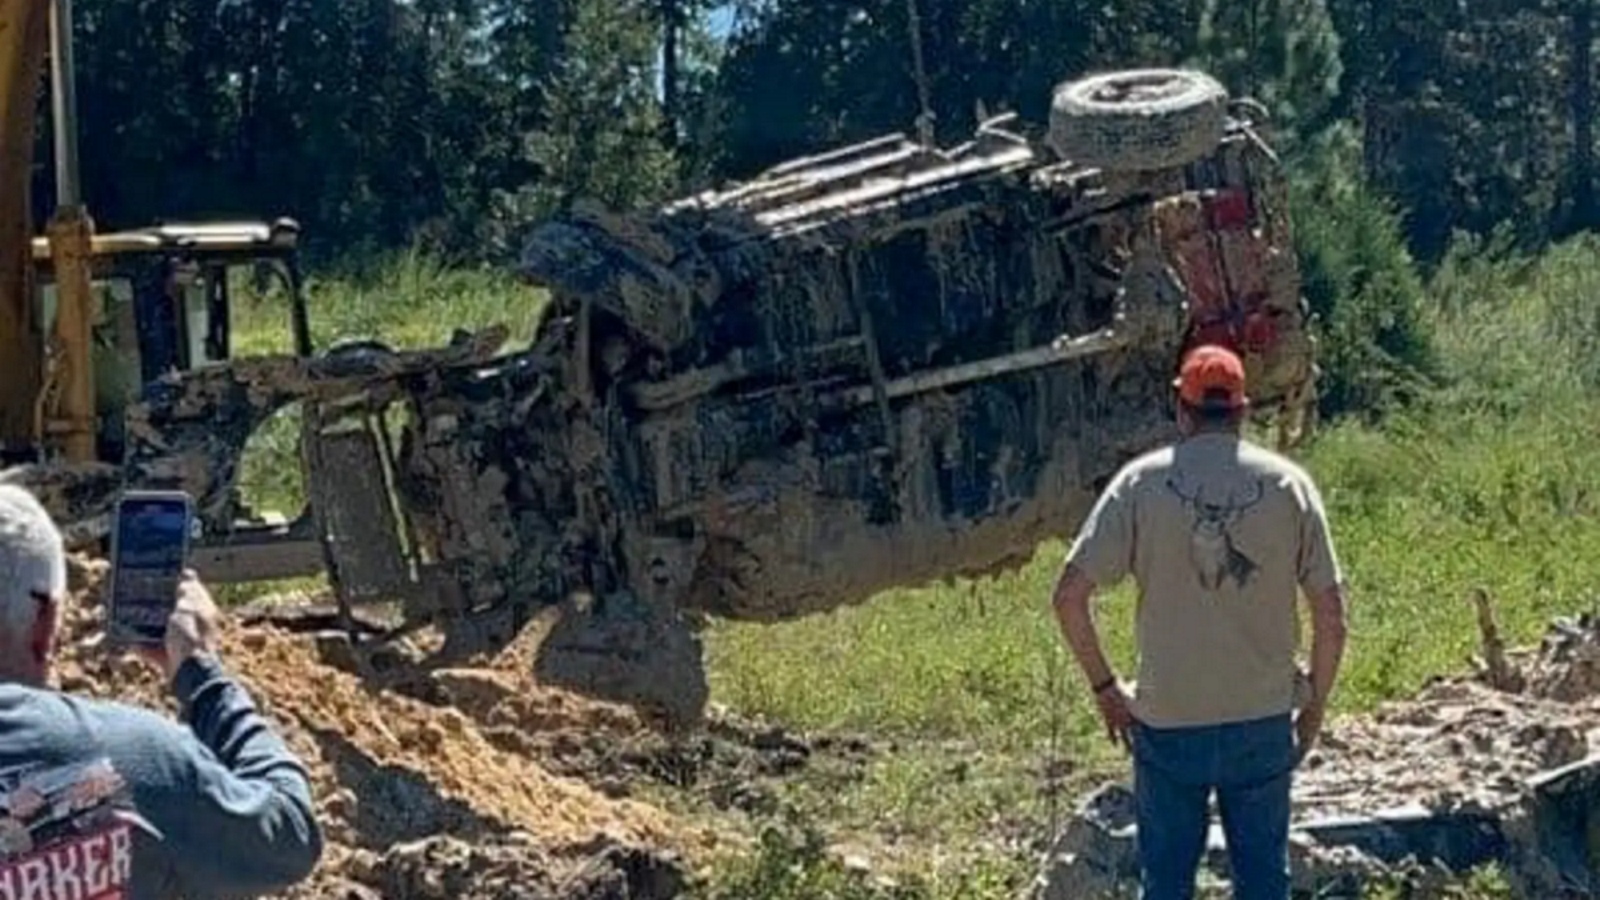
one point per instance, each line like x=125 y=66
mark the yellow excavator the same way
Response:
x=95 y=325
x=117 y=367
x=86 y=317
x=47 y=382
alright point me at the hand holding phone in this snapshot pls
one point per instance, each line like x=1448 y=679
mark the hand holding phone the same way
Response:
x=149 y=559
x=191 y=629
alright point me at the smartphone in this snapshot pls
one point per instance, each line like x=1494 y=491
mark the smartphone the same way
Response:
x=149 y=551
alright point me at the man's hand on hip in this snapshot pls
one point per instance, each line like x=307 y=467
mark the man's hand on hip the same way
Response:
x=1117 y=714
x=1307 y=727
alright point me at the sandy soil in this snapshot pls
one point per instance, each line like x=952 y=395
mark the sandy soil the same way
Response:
x=435 y=789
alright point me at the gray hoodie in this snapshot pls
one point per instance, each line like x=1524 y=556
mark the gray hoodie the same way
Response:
x=105 y=801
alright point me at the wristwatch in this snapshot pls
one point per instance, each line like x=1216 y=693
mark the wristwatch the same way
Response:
x=1102 y=687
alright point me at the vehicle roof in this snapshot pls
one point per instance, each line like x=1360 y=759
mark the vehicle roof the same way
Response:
x=280 y=236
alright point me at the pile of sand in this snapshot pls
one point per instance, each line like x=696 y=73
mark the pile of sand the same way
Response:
x=416 y=795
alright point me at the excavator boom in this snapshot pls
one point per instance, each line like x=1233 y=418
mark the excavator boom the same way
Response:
x=24 y=40
x=47 y=402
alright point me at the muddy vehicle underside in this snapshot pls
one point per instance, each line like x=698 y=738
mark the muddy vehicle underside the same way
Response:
x=886 y=365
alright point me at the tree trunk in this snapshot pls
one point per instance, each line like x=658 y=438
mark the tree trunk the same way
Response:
x=1583 y=200
x=671 y=12
x=1372 y=135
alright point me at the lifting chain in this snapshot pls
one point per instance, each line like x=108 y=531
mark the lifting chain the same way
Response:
x=925 y=132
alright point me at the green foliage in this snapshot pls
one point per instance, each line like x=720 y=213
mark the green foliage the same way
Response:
x=379 y=123
x=1362 y=285
x=1551 y=352
x=806 y=75
x=603 y=136
x=1463 y=111
x=1284 y=53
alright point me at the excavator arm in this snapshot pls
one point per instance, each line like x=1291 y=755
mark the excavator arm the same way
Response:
x=46 y=388
x=24 y=41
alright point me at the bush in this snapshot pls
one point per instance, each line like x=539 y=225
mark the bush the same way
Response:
x=1518 y=332
x=1377 y=348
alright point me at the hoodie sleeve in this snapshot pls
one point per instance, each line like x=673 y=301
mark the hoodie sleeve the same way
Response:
x=234 y=802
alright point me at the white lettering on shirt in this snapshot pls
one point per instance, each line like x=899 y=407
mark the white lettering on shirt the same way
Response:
x=95 y=866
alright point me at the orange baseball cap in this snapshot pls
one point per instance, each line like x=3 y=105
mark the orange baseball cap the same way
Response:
x=1210 y=370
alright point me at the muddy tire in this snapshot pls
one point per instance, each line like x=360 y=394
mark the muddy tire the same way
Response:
x=628 y=651
x=357 y=356
x=1137 y=120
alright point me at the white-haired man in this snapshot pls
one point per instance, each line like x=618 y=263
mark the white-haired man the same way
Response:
x=109 y=801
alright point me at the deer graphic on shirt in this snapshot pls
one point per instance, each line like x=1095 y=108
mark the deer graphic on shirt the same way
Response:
x=1212 y=551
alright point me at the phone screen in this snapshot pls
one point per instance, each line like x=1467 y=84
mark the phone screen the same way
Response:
x=150 y=548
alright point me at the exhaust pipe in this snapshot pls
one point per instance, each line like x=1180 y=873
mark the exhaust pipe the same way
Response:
x=64 y=105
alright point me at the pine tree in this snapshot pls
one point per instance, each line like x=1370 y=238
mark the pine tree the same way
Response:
x=602 y=137
x=1284 y=53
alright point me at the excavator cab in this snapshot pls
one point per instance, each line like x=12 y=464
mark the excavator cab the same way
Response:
x=163 y=305
x=162 y=301
x=119 y=366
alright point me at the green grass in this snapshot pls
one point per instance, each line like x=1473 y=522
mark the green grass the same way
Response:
x=1494 y=481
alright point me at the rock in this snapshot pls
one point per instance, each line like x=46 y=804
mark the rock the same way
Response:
x=1095 y=854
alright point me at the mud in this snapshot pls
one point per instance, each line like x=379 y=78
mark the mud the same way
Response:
x=1456 y=745
x=729 y=762
x=776 y=449
x=190 y=429
x=1501 y=766
x=644 y=654
x=421 y=800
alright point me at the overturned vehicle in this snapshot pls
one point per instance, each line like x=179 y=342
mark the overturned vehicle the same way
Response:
x=880 y=366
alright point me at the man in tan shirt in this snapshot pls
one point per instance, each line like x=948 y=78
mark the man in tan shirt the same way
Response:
x=1221 y=537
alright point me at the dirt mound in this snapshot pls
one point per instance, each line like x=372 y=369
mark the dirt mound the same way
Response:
x=1467 y=741
x=1502 y=765
x=1455 y=744
x=425 y=799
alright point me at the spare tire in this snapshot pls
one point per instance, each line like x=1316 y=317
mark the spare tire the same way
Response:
x=1137 y=119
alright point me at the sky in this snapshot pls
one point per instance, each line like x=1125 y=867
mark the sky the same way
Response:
x=720 y=21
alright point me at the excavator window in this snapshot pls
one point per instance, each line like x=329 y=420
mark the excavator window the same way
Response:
x=114 y=352
x=156 y=309
x=152 y=315
x=183 y=316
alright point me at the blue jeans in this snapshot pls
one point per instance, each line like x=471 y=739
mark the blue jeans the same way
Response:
x=1249 y=765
